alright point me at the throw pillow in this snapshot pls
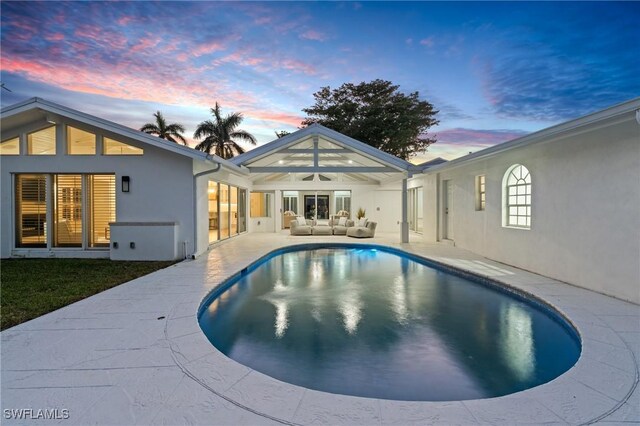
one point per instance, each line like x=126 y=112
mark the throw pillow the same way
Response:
x=342 y=221
x=362 y=222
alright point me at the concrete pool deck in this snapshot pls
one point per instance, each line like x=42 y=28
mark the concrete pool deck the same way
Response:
x=135 y=354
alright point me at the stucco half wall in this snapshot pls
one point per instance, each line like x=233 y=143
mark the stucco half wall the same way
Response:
x=585 y=220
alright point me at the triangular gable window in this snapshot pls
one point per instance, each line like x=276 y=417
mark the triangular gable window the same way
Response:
x=113 y=147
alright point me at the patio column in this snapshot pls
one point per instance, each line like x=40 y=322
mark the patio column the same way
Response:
x=404 y=225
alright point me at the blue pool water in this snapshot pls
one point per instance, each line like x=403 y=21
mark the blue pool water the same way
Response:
x=371 y=323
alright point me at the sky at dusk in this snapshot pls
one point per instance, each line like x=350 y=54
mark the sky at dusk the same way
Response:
x=495 y=71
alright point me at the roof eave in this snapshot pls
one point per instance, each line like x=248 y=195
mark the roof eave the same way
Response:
x=549 y=133
x=381 y=156
x=53 y=108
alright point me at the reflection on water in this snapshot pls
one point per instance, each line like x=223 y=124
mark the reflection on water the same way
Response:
x=373 y=324
x=350 y=307
x=399 y=300
x=516 y=341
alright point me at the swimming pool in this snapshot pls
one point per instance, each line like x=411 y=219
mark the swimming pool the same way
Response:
x=375 y=322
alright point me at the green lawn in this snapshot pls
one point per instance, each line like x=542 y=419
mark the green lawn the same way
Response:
x=33 y=287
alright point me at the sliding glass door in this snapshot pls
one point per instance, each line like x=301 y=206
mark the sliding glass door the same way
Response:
x=316 y=206
x=242 y=210
x=227 y=210
x=233 y=209
x=212 y=193
x=224 y=211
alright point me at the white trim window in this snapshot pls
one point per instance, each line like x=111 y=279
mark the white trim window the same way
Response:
x=290 y=201
x=80 y=208
x=343 y=201
x=517 y=197
x=260 y=204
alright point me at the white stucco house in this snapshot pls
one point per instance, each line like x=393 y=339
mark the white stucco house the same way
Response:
x=563 y=202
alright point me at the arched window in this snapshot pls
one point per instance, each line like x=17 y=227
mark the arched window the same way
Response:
x=517 y=197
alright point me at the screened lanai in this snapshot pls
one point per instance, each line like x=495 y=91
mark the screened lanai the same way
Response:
x=315 y=170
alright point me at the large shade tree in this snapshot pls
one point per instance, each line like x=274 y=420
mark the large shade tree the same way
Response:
x=221 y=133
x=376 y=113
x=171 y=132
x=281 y=133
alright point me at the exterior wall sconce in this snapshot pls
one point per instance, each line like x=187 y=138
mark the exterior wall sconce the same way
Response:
x=126 y=181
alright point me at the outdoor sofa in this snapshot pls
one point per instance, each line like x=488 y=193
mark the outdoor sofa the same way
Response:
x=301 y=226
x=366 y=231
x=298 y=228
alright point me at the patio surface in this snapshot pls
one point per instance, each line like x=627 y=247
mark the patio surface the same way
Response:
x=135 y=354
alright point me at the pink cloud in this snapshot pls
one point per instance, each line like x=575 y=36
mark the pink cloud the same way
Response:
x=263 y=20
x=125 y=20
x=146 y=43
x=477 y=138
x=313 y=35
x=245 y=57
x=24 y=26
x=108 y=39
x=458 y=142
x=59 y=18
x=171 y=46
x=242 y=57
x=207 y=48
x=54 y=37
x=429 y=41
x=129 y=82
x=276 y=117
x=298 y=66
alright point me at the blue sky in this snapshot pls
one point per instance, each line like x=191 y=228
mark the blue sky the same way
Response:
x=494 y=70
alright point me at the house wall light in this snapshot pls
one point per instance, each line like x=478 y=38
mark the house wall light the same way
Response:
x=126 y=183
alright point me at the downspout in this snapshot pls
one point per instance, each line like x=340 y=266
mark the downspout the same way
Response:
x=195 y=204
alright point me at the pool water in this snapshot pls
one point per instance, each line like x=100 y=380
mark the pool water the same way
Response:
x=370 y=323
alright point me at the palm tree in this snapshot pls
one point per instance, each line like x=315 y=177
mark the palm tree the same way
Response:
x=161 y=129
x=219 y=134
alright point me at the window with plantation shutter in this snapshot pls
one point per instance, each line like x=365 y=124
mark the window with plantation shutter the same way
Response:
x=70 y=197
x=31 y=211
x=102 y=208
x=68 y=211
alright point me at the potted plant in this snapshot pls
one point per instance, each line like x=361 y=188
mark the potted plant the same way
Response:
x=361 y=213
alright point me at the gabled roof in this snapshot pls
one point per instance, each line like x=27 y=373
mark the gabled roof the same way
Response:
x=118 y=129
x=596 y=119
x=431 y=163
x=337 y=137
